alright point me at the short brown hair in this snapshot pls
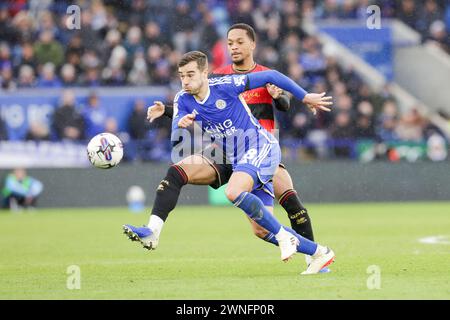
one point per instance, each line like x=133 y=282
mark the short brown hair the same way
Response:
x=243 y=26
x=197 y=56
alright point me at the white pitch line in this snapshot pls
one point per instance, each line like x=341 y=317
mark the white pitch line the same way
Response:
x=435 y=240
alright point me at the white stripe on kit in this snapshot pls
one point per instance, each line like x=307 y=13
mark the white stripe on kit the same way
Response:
x=220 y=78
x=217 y=83
x=262 y=155
x=259 y=155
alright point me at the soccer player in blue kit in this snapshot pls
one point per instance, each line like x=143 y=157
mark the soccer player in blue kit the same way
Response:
x=254 y=153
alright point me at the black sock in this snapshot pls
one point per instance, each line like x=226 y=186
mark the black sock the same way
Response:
x=168 y=192
x=297 y=213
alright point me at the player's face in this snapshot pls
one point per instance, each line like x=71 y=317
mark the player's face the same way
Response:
x=192 y=78
x=240 y=46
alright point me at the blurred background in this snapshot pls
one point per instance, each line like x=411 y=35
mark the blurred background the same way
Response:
x=387 y=137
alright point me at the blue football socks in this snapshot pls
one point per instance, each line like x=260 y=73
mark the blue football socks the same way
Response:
x=256 y=210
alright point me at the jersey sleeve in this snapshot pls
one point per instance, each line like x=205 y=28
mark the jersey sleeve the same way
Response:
x=238 y=84
x=179 y=111
x=260 y=79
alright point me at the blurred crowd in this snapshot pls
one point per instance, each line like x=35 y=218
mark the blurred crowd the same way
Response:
x=139 y=42
x=431 y=18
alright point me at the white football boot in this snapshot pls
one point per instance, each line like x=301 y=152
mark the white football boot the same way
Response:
x=288 y=244
x=321 y=259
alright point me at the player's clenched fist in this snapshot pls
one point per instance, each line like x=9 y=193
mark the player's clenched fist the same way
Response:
x=155 y=111
x=186 y=121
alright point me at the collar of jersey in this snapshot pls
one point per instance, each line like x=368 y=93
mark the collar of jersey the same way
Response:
x=244 y=71
x=206 y=98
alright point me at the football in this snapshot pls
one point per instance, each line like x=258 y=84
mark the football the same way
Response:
x=105 y=150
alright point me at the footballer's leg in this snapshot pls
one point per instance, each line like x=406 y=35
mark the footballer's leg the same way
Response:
x=267 y=200
x=239 y=190
x=194 y=170
x=290 y=201
x=198 y=169
x=265 y=194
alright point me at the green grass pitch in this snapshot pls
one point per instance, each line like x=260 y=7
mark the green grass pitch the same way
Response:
x=210 y=253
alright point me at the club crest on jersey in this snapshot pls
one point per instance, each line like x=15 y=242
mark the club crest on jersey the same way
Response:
x=221 y=104
x=239 y=80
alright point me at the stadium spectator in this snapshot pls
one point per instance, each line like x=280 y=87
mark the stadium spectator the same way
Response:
x=67 y=121
x=26 y=77
x=184 y=37
x=408 y=13
x=5 y=56
x=342 y=131
x=312 y=60
x=133 y=41
x=91 y=78
x=47 y=49
x=47 y=23
x=208 y=34
x=387 y=122
x=89 y=36
x=26 y=57
x=267 y=22
x=3 y=130
x=68 y=75
x=153 y=35
x=114 y=73
x=301 y=125
x=439 y=35
x=94 y=116
x=21 y=190
x=139 y=71
x=436 y=147
x=7 y=31
x=38 y=131
x=47 y=77
x=111 y=126
x=24 y=26
x=429 y=13
x=74 y=51
x=411 y=126
x=7 y=82
x=137 y=122
x=365 y=126
x=329 y=9
x=243 y=13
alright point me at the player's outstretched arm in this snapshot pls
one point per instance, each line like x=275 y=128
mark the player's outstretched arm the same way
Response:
x=313 y=100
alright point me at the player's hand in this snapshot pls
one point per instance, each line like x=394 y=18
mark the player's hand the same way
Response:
x=274 y=91
x=186 y=121
x=155 y=111
x=317 y=101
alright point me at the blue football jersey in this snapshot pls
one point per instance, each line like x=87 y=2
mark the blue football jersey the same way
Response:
x=225 y=116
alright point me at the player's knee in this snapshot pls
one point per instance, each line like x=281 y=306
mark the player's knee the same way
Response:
x=282 y=182
x=231 y=193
